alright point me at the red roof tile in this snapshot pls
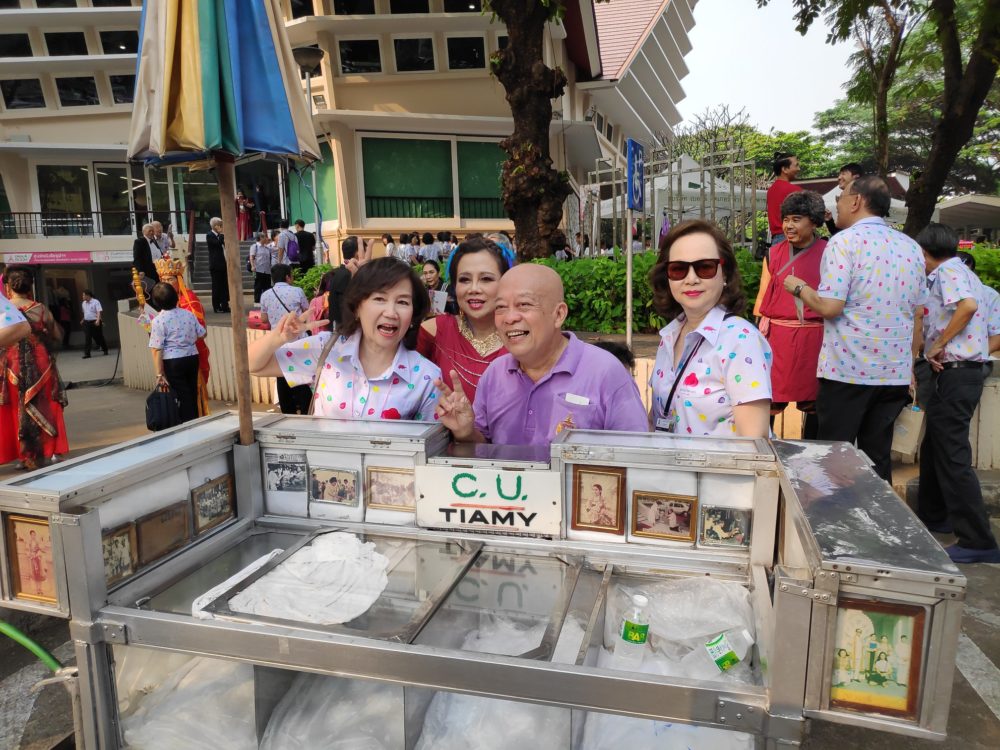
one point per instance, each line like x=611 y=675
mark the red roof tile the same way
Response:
x=622 y=26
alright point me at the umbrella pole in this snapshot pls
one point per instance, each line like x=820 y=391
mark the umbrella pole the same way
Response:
x=225 y=174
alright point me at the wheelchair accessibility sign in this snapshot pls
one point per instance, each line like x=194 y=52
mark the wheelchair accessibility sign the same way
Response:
x=636 y=175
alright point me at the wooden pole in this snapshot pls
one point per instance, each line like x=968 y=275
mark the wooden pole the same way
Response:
x=225 y=174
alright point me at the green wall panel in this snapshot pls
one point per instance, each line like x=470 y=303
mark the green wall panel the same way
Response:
x=406 y=168
x=479 y=166
x=300 y=204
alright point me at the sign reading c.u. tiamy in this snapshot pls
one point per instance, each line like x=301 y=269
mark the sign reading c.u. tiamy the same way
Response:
x=480 y=499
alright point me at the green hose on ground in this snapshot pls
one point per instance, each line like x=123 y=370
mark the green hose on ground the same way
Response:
x=17 y=636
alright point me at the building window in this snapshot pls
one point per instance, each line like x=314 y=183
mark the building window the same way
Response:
x=479 y=191
x=302 y=8
x=354 y=7
x=110 y=3
x=408 y=6
x=64 y=189
x=414 y=54
x=66 y=43
x=22 y=93
x=466 y=52
x=77 y=92
x=15 y=45
x=463 y=6
x=123 y=89
x=360 y=56
x=10 y=4
x=502 y=41
x=407 y=178
x=120 y=42
x=55 y=3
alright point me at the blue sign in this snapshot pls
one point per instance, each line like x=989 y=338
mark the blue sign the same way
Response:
x=636 y=175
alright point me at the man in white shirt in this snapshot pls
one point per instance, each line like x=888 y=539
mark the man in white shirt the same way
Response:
x=275 y=303
x=260 y=264
x=93 y=324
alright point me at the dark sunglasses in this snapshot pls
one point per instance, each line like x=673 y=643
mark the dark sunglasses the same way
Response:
x=706 y=268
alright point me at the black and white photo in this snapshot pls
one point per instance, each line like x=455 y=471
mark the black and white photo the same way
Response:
x=214 y=503
x=121 y=556
x=284 y=472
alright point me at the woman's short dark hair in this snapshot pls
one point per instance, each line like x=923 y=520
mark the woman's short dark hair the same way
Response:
x=164 y=296
x=474 y=244
x=733 y=299
x=938 y=241
x=427 y=238
x=806 y=203
x=387 y=238
x=404 y=239
x=19 y=279
x=375 y=276
x=325 y=282
x=434 y=263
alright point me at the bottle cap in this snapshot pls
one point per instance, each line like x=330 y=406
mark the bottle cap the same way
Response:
x=639 y=600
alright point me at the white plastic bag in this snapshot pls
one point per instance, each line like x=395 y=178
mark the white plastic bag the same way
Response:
x=336 y=714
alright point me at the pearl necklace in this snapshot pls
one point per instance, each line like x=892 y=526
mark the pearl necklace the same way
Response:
x=483 y=346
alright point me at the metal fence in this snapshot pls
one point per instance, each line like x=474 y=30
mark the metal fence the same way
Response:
x=15 y=225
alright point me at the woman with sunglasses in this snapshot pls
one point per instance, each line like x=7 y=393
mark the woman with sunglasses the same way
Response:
x=713 y=367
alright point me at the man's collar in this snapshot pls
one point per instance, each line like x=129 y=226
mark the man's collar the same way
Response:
x=870 y=220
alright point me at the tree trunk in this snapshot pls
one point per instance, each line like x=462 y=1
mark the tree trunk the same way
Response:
x=533 y=192
x=965 y=92
x=881 y=133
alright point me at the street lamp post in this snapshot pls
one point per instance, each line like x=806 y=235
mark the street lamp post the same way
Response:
x=308 y=60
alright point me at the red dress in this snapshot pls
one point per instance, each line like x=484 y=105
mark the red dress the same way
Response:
x=795 y=345
x=244 y=211
x=31 y=395
x=450 y=350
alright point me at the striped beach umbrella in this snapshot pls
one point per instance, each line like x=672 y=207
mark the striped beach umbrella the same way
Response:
x=216 y=81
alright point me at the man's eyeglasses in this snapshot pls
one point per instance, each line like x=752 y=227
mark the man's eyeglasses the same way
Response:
x=706 y=268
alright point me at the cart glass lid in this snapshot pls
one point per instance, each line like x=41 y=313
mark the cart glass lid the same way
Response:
x=117 y=461
x=525 y=454
x=300 y=426
x=853 y=513
x=665 y=441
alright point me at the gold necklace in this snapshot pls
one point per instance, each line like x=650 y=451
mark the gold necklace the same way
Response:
x=483 y=346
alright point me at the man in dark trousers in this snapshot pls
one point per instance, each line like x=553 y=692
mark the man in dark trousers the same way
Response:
x=143 y=253
x=93 y=324
x=307 y=246
x=216 y=243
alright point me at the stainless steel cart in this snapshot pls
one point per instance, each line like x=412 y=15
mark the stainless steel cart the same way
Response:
x=473 y=538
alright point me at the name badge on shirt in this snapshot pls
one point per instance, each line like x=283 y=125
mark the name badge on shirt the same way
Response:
x=578 y=400
x=665 y=425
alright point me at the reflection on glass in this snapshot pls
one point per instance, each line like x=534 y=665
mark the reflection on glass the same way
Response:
x=123 y=88
x=360 y=56
x=414 y=54
x=64 y=194
x=15 y=45
x=77 y=91
x=22 y=93
x=66 y=43
x=120 y=42
x=466 y=52
x=354 y=7
x=112 y=199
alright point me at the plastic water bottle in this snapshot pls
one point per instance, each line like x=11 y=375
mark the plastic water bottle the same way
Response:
x=718 y=654
x=630 y=648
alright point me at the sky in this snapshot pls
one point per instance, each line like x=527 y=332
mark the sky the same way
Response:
x=754 y=58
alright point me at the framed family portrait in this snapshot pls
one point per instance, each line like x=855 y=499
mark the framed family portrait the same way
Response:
x=121 y=553
x=725 y=527
x=285 y=472
x=390 y=488
x=877 y=652
x=598 y=499
x=213 y=503
x=29 y=554
x=338 y=486
x=163 y=531
x=659 y=515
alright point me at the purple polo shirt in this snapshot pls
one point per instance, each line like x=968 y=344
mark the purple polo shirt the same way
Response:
x=588 y=388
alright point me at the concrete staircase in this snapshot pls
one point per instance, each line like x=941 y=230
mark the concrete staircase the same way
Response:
x=201 y=280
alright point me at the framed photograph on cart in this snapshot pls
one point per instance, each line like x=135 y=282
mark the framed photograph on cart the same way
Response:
x=213 y=503
x=329 y=485
x=877 y=652
x=725 y=527
x=661 y=515
x=121 y=553
x=598 y=499
x=163 y=531
x=390 y=488
x=29 y=558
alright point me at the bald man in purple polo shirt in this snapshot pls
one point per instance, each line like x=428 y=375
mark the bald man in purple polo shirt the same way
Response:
x=550 y=381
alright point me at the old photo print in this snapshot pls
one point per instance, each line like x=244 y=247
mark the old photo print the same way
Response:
x=330 y=485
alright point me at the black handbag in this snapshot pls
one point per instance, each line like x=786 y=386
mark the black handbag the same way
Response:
x=163 y=410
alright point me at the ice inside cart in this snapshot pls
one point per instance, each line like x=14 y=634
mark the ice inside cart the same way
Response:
x=366 y=585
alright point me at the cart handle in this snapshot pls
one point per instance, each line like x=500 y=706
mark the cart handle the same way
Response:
x=44 y=656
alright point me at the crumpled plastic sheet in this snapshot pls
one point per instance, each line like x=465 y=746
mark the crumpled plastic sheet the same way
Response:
x=336 y=714
x=206 y=704
x=331 y=581
x=460 y=722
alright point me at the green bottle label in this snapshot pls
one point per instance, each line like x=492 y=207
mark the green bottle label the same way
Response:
x=721 y=652
x=634 y=632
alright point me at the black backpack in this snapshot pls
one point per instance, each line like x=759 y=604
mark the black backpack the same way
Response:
x=163 y=410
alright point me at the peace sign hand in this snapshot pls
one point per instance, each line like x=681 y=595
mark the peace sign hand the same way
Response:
x=291 y=327
x=454 y=410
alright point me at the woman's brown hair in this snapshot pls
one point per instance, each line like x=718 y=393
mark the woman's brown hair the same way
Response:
x=733 y=300
x=375 y=276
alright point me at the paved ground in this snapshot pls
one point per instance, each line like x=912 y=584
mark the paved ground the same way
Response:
x=102 y=415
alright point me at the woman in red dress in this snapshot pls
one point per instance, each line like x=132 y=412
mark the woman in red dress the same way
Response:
x=31 y=393
x=172 y=272
x=468 y=342
x=794 y=332
x=244 y=216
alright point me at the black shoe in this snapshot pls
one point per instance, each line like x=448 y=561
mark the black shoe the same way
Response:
x=86 y=356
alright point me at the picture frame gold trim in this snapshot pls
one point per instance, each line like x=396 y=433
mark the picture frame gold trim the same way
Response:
x=129 y=529
x=617 y=475
x=151 y=548
x=693 y=515
x=705 y=540
x=371 y=470
x=201 y=492
x=17 y=591
x=351 y=473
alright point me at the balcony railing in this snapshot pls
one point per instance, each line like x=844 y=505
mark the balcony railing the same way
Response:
x=34 y=224
x=419 y=207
